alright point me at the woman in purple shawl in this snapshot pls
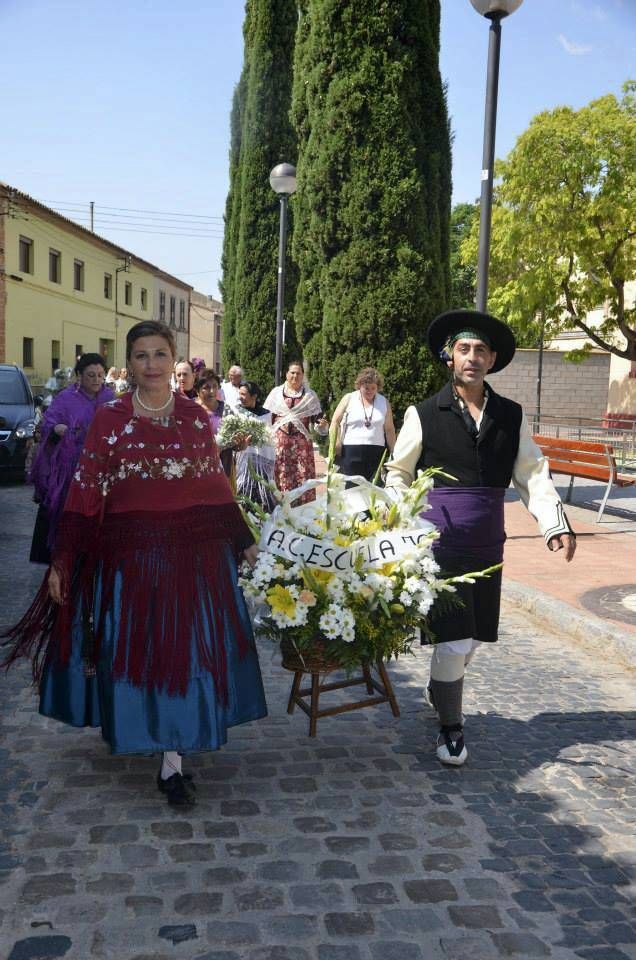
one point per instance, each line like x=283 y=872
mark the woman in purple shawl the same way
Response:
x=62 y=437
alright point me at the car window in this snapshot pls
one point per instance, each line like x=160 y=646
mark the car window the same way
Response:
x=12 y=389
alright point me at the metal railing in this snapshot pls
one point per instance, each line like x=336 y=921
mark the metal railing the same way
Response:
x=596 y=430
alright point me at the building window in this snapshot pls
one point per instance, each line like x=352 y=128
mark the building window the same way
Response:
x=182 y=323
x=78 y=275
x=144 y=298
x=108 y=286
x=217 y=329
x=55 y=355
x=27 y=351
x=162 y=306
x=55 y=266
x=173 y=309
x=128 y=294
x=26 y=255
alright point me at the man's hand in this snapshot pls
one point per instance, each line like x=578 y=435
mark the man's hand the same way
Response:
x=55 y=586
x=564 y=541
x=60 y=429
x=250 y=554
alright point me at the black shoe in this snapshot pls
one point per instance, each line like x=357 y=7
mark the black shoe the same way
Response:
x=450 y=747
x=178 y=789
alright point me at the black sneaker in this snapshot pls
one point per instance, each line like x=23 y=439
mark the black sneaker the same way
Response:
x=450 y=747
x=178 y=789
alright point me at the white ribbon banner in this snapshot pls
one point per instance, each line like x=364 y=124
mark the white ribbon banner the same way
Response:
x=327 y=555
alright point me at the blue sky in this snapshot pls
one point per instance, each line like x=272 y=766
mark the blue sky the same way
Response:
x=127 y=103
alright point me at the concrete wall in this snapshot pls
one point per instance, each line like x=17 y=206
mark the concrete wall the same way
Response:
x=567 y=389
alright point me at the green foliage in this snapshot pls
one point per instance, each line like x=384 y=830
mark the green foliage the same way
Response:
x=564 y=224
x=463 y=276
x=373 y=202
x=262 y=138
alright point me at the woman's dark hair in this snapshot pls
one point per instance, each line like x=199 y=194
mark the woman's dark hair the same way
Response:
x=206 y=376
x=296 y=363
x=252 y=388
x=150 y=328
x=87 y=360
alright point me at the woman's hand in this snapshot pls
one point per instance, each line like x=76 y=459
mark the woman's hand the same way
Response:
x=322 y=427
x=55 y=586
x=250 y=554
x=60 y=429
x=241 y=441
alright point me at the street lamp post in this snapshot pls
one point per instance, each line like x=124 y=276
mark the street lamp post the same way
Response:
x=282 y=180
x=495 y=11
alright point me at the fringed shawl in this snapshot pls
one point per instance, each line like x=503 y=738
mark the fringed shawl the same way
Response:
x=149 y=509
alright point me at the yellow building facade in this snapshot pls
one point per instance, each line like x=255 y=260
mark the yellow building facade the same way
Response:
x=65 y=291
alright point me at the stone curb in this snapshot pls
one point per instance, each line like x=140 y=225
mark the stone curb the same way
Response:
x=591 y=632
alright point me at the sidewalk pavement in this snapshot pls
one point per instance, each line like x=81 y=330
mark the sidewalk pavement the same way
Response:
x=593 y=598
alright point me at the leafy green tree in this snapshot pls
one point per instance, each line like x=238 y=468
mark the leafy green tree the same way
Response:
x=564 y=224
x=266 y=138
x=373 y=204
x=463 y=276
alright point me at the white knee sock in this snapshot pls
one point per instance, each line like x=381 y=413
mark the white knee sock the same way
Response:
x=170 y=764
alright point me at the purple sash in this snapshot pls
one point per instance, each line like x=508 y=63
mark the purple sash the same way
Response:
x=470 y=521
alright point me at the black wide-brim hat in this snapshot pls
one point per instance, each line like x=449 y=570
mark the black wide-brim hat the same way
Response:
x=498 y=334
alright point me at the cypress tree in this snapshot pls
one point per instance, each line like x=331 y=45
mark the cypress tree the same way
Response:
x=232 y=216
x=373 y=205
x=267 y=138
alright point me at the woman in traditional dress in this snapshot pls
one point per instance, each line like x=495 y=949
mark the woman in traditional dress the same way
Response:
x=255 y=465
x=144 y=631
x=363 y=422
x=206 y=388
x=62 y=436
x=295 y=408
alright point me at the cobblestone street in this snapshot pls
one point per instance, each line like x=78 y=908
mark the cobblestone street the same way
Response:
x=355 y=845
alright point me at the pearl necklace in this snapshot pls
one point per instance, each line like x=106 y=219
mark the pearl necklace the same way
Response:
x=151 y=409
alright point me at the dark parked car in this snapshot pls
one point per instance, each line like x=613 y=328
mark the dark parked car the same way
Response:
x=16 y=418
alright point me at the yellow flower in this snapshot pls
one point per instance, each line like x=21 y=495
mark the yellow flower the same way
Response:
x=281 y=600
x=396 y=608
x=387 y=569
x=341 y=540
x=368 y=527
x=319 y=576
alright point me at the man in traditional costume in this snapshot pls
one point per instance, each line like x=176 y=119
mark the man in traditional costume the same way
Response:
x=482 y=441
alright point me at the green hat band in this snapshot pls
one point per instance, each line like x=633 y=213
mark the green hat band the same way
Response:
x=468 y=334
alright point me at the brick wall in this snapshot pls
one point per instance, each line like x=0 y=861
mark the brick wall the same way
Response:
x=567 y=389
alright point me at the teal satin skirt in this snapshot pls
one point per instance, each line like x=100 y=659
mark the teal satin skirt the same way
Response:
x=145 y=719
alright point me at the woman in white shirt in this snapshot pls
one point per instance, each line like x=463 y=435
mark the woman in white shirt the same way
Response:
x=363 y=424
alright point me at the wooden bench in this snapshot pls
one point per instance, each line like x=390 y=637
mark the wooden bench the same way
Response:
x=582 y=458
